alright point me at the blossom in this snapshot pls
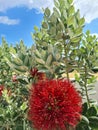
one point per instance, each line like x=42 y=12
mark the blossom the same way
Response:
x=1 y=89
x=54 y=104
x=37 y=75
x=33 y=71
x=14 y=78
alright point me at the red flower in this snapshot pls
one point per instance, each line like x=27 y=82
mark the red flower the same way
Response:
x=1 y=89
x=54 y=104
x=33 y=71
x=38 y=75
x=14 y=78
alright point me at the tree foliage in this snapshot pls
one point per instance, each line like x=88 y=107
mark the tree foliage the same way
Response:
x=60 y=47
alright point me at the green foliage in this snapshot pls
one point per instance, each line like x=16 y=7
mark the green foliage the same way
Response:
x=87 y=60
x=13 y=101
x=59 y=48
x=89 y=118
x=22 y=58
x=63 y=25
x=49 y=61
x=62 y=28
x=5 y=72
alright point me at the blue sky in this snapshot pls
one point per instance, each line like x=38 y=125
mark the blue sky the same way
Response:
x=18 y=18
x=26 y=18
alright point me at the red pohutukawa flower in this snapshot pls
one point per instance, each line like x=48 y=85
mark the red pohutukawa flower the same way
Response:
x=1 y=89
x=33 y=71
x=14 y=78
x=54 y=104
x=38 y=75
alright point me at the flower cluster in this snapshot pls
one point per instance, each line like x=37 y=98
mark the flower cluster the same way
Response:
x=1 y=89
x=14 y=78
x=54 y=104
x=37 y=75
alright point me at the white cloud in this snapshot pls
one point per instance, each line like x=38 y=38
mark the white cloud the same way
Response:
x=38 y=4
x=6 y=20
x=96 y=34
x=88 y=8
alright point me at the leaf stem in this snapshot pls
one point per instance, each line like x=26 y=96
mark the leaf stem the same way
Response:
x=66 y=59
x=85 y=85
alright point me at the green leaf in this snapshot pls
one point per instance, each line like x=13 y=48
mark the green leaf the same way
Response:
x=35 y=28
x=92 y=111
x=63 y=3
x=52 y=31
x=59 y=35
x=23 y=81
x=85 y=120
x=92 y=92
x=70 y=20
x=61 y=24
x=53 y=18
x=56 y=3
x=47 y=12
x=85 y=108
x=37 y=53
x=88 y=32
x=26 y=61
x=71 y=10
x=81 y=21
x=24 y=106
x=40 y=60
x=57 y=56
x=78 y=31
x=50 y=48
x=18 y=127
x=1 y=112
x=83 y=127
x=17 y=61
x=49 y=60
x=45 y=25
x=57 y=13
x=95 y=69
x=65 y=14
x=70 y=1
x=77 y=14
x=21 y=56
x=12 y=50
x=77 y=77
x=75 y=39
x=93 y=121
x=21 y=68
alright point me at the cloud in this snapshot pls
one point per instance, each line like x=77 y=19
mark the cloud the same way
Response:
x=88 y=8
x=37 y=4
x=6 y=20
x=96 y=34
